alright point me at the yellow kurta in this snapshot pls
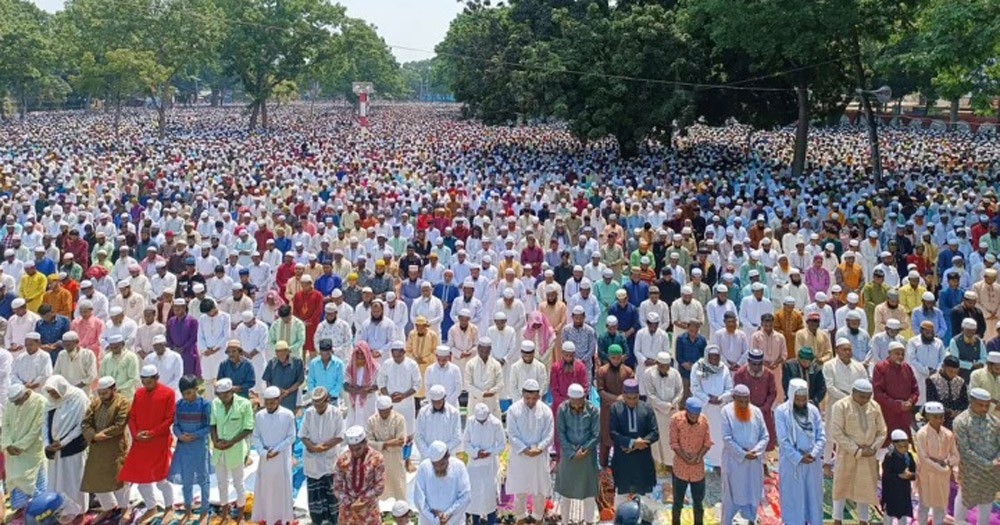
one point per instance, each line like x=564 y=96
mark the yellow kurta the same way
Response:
x=421 y=349
x=911 y=298
x=989 y=303
x=379 y=431
x=854 y=427
x=22 y=428
x=934 y=480
x=883 y=313
x=32 y=290
x=819 y=342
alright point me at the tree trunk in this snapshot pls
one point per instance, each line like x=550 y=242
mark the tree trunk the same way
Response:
x=254 y=113
x=899 y=106
x=801 y=131
x=161 y=111
x=953 y=114
x=263 y=114
x=118 y=115
x=859 y=73
x=214 y=98
x=749 y=143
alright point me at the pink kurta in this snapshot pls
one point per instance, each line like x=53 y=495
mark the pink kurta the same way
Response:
x=773 y=347
x=934 y=480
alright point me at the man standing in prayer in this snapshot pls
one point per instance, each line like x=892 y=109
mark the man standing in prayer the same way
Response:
x=273 y=436
x=839 y=375
x=387 y=434
x=232 y=421
x=122 y=365
x=148 y=461
x=531 y=429
x=76 y=363
x=22 y=445
x=321 y=432
x=634 y=431
x=611 y=378
x=65 y=444
x=399 y=378
x=190 y=464
x=979 y=452
x=859 y=430
x=664 y=392
x=924 y=353
x=104 y=428
x=214 y=327
x=712 y=383
x=745 y=435
x=937 y=455
x=578 y=431
x=484 y=378
x=32 y=366
x=801 y=441
x=182 y=337
x=438 y=421
x=445 y=373
x=358 y=480
x=763 y=392
x=690 y=440
x=484 y=440
x=895 y=389
x=441 y=489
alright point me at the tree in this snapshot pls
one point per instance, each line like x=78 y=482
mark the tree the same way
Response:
x=25 y=50
x=123 y=73
x=423 y=79
x=359 y=54
x=272 y=41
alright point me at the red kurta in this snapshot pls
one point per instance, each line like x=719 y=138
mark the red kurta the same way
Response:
x=308 y=307
x=894 y=384
x=153 y=411
x=763 y=392
x=359 y=480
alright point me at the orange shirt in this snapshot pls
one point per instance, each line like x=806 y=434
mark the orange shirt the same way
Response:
x=691 y=438
x=61 y=301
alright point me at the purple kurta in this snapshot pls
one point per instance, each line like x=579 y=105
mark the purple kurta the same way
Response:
x=182 y=336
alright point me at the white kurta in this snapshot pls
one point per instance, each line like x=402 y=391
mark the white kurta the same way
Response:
x=31 y=368
x=663 y=393
x=448 y=376
x=521 y=372
x=647 y=345
x=398 y=378
x=254 y=339
x=527 y=428
x=449 y=494
x=171 y=368
x=444 y=426
x=320 y=428
x=482 y=378
x=273 y=489
x=213 y=332
x=484 y=473
x=924 y=359
x=720 y=385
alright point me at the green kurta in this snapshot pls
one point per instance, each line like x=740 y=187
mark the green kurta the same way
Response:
x=605 y=295
x=578 y=478
x=229 y=424
x=873 y=295
x=105 y=458
x=124 y=367
x=22 y=429
x=978 y=447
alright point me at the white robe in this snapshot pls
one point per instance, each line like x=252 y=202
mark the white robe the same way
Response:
x=66 y=473
x=273 y=488
x=448 y=376
x=527 y=428
x=400 y=378
x=484 y=472
x=719 y=385
x=449 y=494
x=443 y=426
x=663 y=394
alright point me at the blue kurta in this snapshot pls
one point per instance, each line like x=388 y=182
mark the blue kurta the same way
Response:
x=742 y=479
x=191 y=462
x=800 y=485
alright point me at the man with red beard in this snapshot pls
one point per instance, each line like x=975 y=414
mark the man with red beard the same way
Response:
x=745 y=439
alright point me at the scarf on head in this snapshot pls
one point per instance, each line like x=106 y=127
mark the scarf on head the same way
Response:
x=368 y=377
x=707 y=369
x=545 y=334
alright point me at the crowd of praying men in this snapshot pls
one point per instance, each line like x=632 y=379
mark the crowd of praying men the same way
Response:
x=470 y=307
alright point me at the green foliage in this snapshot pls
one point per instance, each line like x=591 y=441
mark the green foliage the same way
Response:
x=25 y=49
x=424 y=77
x=358 y=54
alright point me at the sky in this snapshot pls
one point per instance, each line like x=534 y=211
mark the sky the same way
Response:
x=417 y=24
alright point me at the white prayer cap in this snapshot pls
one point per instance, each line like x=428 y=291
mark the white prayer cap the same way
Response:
x=607 y=272
x=481 y=411
x=397 y=345
x=863 y=385
x=575 y=391
x=664 y=358
x=390 y=296
x=149 y=371
x=820 y=296
x=499 y=316
x=899 y=435
x=159 y=339
x=17 y=303
x=741 y=390
x=913 y=275
x=971 y=295
x=531 y=385
x=933 y=407
x=979 y=393
x=896 y=345
x=180 y=301
x=442 y=350
x=852 y=298
x=272 y=392
x=400 y=509
x=527 y=346
x=464 y=312
x=891 y=324
x=223 y=385
x=15 y=391
x=354 y=435
x=927 y=296
x=116 y=310
x=112 y=339
x=105 y=382
x=993 y=357
x=437 y=451
x=70 y=336
x=712 y=349
x=485 y=341
x=508 y=293
x=797 y=385
x=611 y=321
x=651 y=317
x=721 y=288
x=124 y=283
x=198 y=288
x=855 y=315
x=436 y=393
x=384 y=402
x=238 y=286
x=969 y=323
x=337 y=293
x=843 y=341
x=789 y=299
